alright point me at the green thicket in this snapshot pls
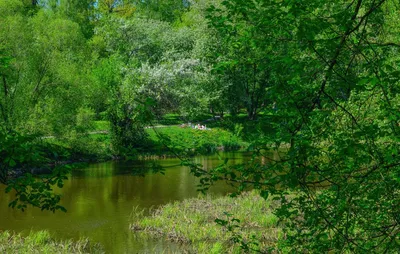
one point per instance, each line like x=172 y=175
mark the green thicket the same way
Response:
x=318 y=78
x=329 y=70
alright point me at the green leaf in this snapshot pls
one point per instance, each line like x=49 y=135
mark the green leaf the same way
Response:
x=12 y=163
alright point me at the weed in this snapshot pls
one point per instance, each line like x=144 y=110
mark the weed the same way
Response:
x=42 y=242
x=192 y=223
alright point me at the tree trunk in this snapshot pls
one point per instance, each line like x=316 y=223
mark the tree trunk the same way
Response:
x=252 y=112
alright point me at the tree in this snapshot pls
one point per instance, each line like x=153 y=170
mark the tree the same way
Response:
x=40 y=93
x=153 y=60
x=165 y=10
x=119 y=7
x=44 y=63
x=122 y=106
x=244 y=60
x=80 y=11
x=335 y=87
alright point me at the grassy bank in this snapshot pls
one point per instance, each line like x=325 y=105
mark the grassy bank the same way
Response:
x=42 y=242
x=193 y=140
x=165 y=139
x=43 y=153
x=192 y=223
x=162 y=140
x=228 y=133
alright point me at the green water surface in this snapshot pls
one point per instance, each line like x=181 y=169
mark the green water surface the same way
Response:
x=101 y=197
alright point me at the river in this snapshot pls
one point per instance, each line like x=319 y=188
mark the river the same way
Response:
x=101 y=197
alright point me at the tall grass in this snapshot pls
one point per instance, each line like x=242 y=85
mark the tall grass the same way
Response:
x=42 y=242
x=192 y=223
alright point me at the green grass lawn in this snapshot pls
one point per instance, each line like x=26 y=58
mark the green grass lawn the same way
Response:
x=188 y=139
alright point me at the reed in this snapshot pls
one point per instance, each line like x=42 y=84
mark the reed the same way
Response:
x=244 y=220
x=42 y=242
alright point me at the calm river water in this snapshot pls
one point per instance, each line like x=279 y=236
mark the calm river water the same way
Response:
x=101 y=197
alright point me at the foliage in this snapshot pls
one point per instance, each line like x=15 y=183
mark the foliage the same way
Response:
x=244 y=60
x=180 y=86
x=157 y=62
x=18 y=153
x=167 y=10
x=335 y=86
x=42 y=82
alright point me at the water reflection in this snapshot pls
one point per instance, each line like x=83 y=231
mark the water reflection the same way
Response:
x=100 y=199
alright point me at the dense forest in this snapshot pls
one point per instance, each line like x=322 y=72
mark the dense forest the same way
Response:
x=317 y=81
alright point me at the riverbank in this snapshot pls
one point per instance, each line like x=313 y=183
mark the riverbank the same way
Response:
x=214 y=225
x=42 y=242
x=166 y=139
x=41 y=154
x=193 y=141
x=162 y=142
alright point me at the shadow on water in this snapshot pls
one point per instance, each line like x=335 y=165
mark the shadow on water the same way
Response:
x=100 y=199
